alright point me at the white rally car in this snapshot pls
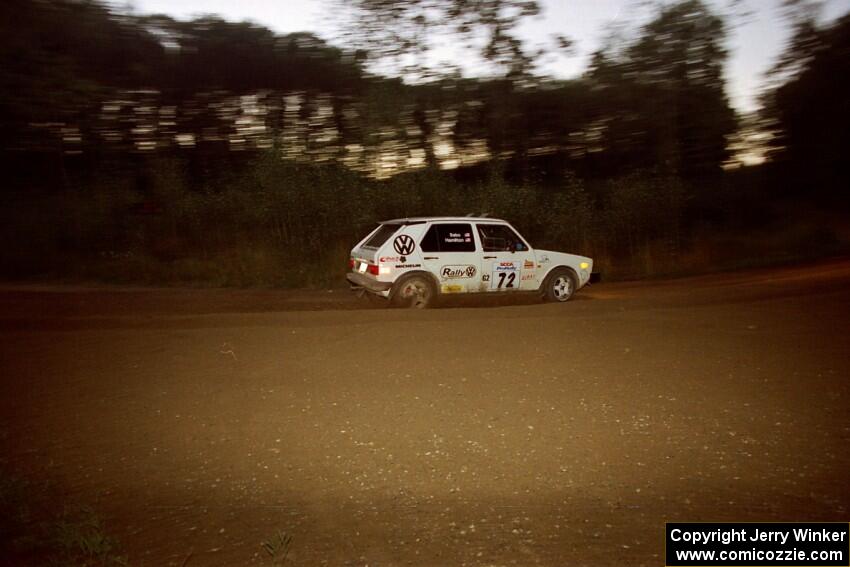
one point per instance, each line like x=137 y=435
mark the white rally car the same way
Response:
x=413 y=261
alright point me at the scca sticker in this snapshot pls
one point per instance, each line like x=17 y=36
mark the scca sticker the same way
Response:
x=505 y=275
x=404 y=245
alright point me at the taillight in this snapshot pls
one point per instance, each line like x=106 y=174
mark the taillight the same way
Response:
x=373 y=269
x=351 y=263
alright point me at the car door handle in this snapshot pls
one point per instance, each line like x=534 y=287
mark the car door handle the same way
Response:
x=489 y=257
x=430 y=257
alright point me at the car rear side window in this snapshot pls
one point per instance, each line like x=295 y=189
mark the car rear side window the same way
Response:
x=448 y=238
x=377 y=240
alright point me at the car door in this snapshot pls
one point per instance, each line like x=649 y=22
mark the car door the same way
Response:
x=507 y=261
x=449 y=252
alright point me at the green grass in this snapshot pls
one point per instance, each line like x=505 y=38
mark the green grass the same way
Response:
x=79 y=536
x=34 y=534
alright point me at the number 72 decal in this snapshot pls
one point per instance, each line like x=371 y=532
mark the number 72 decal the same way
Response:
x=505 y=275
x=506 y=279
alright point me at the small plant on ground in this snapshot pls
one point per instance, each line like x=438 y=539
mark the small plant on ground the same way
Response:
x=81 y=536
x=277 y=547
x=33 y=534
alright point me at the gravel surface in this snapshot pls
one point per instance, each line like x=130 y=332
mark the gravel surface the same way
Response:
x=482 y=434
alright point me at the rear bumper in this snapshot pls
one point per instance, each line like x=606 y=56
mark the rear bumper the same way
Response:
x=359 y=281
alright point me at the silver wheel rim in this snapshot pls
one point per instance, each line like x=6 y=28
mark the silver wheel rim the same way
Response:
x=562 y=288
x=416 y=293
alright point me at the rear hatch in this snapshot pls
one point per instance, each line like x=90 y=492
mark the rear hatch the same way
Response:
x=366 y=253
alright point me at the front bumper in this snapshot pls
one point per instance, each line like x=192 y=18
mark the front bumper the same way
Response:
x=360 y=281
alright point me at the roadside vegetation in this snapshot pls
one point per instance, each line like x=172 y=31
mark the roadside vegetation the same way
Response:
x=259 y=227
x=39 y=528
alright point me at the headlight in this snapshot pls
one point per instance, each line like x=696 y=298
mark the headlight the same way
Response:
x=584 y=265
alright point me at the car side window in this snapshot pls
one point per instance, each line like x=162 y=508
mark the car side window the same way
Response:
x=448 y=238
x=500 y=238
x=431 y=240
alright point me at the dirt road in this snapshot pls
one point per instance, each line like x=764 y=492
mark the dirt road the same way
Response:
x=524 y=434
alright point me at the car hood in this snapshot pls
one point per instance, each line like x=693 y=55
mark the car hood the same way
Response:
x=551 y=258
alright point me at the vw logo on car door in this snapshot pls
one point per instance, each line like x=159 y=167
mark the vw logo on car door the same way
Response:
x=404 y=245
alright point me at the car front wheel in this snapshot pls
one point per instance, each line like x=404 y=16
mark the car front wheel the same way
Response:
x=415 y=292
x=560 y=285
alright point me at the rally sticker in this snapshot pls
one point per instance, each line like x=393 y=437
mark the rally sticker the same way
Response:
x=457 y=272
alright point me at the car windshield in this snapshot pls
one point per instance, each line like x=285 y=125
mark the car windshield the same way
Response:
x=381 y=236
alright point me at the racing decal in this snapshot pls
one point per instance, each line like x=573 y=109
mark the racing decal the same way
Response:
x=505 y=275
x=455 y=272
x=452 y=288
x=485 y=277
x=408 y=265
x=543 y=259
x=388 y=259
x=457 y=237
x=404 y=245
x=528 y=265
x=527 y=276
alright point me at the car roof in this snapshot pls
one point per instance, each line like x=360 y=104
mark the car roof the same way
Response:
x=419 y=220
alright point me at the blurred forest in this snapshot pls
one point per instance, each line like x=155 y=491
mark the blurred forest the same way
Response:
x=146 y=149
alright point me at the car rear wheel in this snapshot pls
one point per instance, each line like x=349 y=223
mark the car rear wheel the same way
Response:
x=560 y=286
x=415 y=292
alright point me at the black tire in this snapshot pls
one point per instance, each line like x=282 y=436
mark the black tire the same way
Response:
x=415 y=292
x=559 y=286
